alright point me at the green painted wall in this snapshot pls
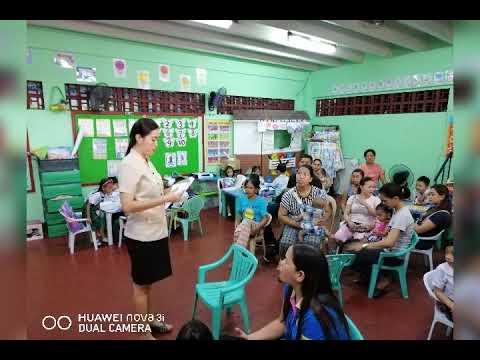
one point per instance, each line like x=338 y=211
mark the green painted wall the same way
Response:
x=417 y=140
x=238 y=76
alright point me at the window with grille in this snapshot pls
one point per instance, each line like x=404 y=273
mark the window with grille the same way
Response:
x=396 y=103
x=35 y=95
x=231 y=103
x=138 y=100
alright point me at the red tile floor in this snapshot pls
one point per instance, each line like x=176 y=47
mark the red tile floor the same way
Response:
x=90 y=282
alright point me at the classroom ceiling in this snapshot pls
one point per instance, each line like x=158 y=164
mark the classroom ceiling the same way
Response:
x=269 y=41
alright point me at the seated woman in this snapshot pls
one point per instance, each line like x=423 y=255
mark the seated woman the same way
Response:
x=291 y=206
x=252 y=210
x=437 y=218
x=310 y=310
x=360 y=214
x=355 y=179
x=399 y=236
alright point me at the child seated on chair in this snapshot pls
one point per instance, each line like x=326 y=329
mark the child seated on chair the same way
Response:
x=442 y=281
x=421 y=188
x=252 y=210
x=384 y=213
x=316 y=220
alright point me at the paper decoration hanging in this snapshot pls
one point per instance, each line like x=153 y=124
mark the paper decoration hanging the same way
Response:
x=164 y=72
x=121 y=146
x=201 y=77
x=185 y=82
x=449 y=74
x=192 y=133
x=86 y=74
x=64 y=60
x=87 y=127
x=167 y=123
x=170 y=160
x=169 y=142
x=119 y=68
x=143 y=79
x=99 y=147
x=180 y=123
x=103 y=128
x=439 y=77
x=192 y=123
x=181 y=142
x=168 y=132
x=181 y=133
x=119 y=127
x=112 y=167
x=182 y=158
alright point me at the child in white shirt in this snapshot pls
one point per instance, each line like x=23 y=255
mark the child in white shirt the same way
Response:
x=421 y=188
x=281 y=181
x=442 y=281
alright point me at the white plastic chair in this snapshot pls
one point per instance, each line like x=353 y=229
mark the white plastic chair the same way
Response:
x=239 y=181
x=429 y=252
x=86 y=228
x=438 y=315
x=121 y=221
x=219 y=188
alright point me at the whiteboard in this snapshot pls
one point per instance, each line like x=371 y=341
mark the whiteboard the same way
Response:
x=247 y=140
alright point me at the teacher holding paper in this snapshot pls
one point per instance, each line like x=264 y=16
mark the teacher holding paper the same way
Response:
x=146 y=233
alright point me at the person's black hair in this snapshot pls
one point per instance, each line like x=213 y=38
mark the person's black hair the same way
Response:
x=369 y=150
x=142 y=127
x=358 y=170
x=255 y=168
x=194 y=330
x=363 y=182
x=102 y=183
x=178 y=179
x=385 y=209
x=281 y=167
x=324 y=172
x=390 y=190
x=424 y=179
x=317 y=160
x=316 y=290
x=446 y=203
x=229 y=167
x=310 y=169
x=253 y=179
x=114 y=179
x=306 y=156
x=401 y=177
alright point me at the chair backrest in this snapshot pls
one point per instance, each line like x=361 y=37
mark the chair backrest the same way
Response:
x=432 y=238
x=269 y=220
x=413 y=242
x=427 y=281
x=240 y=180
x=355 y=334
x=333 y=203
x=193 y=206
x=67 y=212
x=244 y=264
x=336 y=263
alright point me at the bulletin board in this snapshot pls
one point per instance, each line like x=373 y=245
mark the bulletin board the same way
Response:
x=106 y=140
x=217 y=135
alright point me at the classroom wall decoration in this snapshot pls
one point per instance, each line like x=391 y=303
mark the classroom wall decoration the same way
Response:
x=218 y=133
x=105 y=143
x=86 y=74
x=185 y=82
x=64 y=60
x=143 y=79
x=119 y=68
x=164 y=72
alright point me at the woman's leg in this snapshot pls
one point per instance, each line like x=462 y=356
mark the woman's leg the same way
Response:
x=242 y=233
x=141 y=300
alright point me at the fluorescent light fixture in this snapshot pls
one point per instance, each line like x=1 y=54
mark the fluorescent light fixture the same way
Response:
x=224 y=24
x=310 y=43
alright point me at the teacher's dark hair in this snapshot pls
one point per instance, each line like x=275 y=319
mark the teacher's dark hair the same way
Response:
x=142 y=127
x=391 y=190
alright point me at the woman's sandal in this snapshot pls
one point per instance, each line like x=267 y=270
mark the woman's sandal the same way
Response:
x=161 y=327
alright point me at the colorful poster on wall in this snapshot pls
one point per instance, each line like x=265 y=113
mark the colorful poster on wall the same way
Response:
x=185 y=83
x=201 y=77
x=103 y=128
x=217 y=133
x=182 y=158
x=170 y=160
x=99 y=147
x=112 y=167
x=64 y=60
x=119 y=68
x=164 y=72
x=86 y=74
x=143 y=79
x=121 y=146
x=87 y=127
x=119 y=127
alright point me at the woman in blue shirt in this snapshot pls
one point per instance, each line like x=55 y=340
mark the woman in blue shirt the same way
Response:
x=310 y=310
x=251 y=212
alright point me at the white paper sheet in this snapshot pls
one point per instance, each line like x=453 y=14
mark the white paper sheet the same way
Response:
x=103 y=128
x=182 y=159
x=99 y=147
x=181 y=187
x=121 y=146
x=201 y=77
x=112 y=167
x=170 y=160
x=169 y=142
x=119 y=127
x=87 y=126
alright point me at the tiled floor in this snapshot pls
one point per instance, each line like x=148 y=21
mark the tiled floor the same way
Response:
x=90 y=282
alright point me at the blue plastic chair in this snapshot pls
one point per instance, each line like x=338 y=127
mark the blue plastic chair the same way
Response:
x=336 y=263
x=400 y=269
x=219 y=296
x=192 y=207
x=355 y=334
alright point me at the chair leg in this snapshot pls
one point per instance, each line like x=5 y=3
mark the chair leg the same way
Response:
x=402 y=277
x=185 y=225
x=430 y=260
x=194 y=311
x=216 y=323
x=373 y=280
x=200 y=226
x=449 y=331
x=120 y=235
x=71 y=242
x=246 y=319
x=94 y=240
x=340 y=297
x=431 y=330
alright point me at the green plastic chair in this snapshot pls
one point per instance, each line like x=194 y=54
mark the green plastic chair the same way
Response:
x=192 y=207
x=400 y=269
x=355 y=334
x=219 y=296
x=336 y=263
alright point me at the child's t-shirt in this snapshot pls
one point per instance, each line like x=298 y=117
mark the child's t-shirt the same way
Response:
x=373 y=171
x=442 y=278
x=420 y=198
x=251 y=209
x=96 y=198
x=380 y=227
x=280 y=183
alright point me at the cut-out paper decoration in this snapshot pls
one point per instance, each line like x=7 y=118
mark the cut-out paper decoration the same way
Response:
x=167 y=123
x=119 y=68
x=201 y=77
x=449 y=74
x=103 y=128
x=143 y=79
x=192 y=123
x=119 y=127
x=87 y=127
x=182 y=158
x=181 y=133
x=192 y=133
x=180 y=123
x=64 y=60
x=121 y=146
x=169 y=142
x=164 y=72
x=168 y=132
x=185 y=82
x=99 y=147
x=170 y=160
x=439 y=77
x=181 y=142
x=86 y=74
x=112 y=167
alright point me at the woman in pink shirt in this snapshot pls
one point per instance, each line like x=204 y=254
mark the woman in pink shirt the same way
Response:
x=372 y=170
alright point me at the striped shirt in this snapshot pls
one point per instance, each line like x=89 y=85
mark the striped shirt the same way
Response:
x=290 y=199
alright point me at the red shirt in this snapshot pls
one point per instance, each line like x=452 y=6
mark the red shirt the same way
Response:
x=373 y=171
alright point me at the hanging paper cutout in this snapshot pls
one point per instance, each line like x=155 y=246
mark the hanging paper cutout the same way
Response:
x=167 y=123
x=64 y=60
x=143 y=79
x=181 y=133
x=180 y=123
x=169 y=142
x=185 y=82
x=119 y=68
x=192 y=133
x=192 y=123
x=170 y=160
x=182 y=142
x=168 y=132
x=164 y=72
x=182 y=158
x=201 y=77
